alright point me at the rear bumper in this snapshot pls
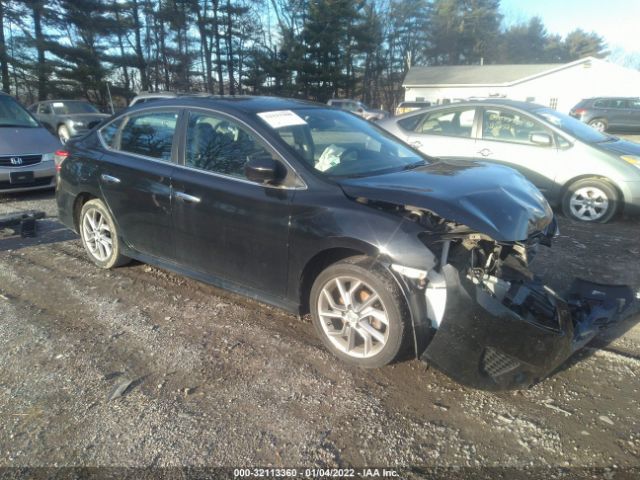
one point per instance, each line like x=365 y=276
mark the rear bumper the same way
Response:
x=515 y=339
x=65 y=199
x=44 y=177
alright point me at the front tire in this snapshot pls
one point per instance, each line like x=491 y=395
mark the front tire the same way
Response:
x=590 y=200
x=100 y=236
x=359 y=312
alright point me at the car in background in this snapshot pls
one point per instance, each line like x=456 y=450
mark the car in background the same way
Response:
x=589 y=174
x=313 y=209
x=358 y=108
x=67 y=118
x=406 y=107
x=609 y=113
x=27 y=150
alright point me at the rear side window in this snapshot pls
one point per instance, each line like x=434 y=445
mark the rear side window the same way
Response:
x=410 y=123
x=109 y=133
x=611 y=103
x=45 y=109
x=452 y=123
x=149 y=134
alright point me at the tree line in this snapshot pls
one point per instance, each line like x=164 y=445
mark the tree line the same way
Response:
x=314 y=49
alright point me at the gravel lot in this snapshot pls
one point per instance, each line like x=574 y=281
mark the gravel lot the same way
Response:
x=214 y=379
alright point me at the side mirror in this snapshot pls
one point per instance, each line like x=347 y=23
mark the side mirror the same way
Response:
x=542 y=139
x=263 y=169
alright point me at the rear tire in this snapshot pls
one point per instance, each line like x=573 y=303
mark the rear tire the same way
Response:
x=100 y=236
x=599 y=124
x=590 y=200
x=359 y=312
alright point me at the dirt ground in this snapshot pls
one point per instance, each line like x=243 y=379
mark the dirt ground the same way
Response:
x=214 y=379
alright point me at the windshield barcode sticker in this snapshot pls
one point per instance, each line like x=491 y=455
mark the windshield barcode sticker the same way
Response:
x=281 y=118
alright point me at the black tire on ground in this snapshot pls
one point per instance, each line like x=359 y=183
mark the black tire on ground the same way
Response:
x=380 y=280
x=116 y=258
x=590 y=191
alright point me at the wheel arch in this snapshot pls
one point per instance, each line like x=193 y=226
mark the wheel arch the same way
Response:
x=599 y=118
x=78 y=203
x=328 y=256
x=316 y=264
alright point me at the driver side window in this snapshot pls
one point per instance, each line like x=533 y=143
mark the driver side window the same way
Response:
x=510 y=126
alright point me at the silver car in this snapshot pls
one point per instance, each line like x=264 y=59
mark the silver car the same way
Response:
x=358 y=108
x=67 y=118
x=589 y=174
x=26 y=150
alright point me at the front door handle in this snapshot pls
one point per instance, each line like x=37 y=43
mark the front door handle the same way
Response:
x=109 y=179
x=185 y=197
x=485 y=152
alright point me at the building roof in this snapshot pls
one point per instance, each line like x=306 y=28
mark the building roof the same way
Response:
x=466 y=75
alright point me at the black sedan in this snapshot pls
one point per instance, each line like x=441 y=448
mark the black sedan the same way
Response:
x=313 y=209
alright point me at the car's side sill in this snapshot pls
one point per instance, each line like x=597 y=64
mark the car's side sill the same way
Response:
x=254 y=294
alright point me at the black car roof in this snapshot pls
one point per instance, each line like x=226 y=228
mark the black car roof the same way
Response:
x=243 y=103
x=528 y=106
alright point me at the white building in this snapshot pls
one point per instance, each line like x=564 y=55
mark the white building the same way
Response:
x=558 y=85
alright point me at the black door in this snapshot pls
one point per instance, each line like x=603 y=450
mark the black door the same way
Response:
x=225 y=225
x=135 y=179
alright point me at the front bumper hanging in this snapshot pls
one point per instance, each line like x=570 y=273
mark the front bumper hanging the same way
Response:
x=496 y=339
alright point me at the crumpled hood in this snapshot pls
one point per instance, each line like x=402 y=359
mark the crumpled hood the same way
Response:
x=25 y=141
x=491 y=199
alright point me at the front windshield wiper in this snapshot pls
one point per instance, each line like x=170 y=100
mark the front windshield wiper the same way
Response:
x=610 y=138
x=411 y=166
x=16 y=125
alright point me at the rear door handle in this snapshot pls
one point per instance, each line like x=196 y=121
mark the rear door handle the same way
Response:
x=184 y=197
x=109 y=179
x=485 y=152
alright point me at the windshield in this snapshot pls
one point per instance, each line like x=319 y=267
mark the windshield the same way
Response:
x=13 y=115
x=339 y=144
x=573 y=127
x=67 y=108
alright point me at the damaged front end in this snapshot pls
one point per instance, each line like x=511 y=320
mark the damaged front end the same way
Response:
x=497 y=326
x=478 y=312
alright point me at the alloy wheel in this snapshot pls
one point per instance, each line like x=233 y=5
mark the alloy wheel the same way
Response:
x=588 y=204
x=97 y=234
x=353 y=317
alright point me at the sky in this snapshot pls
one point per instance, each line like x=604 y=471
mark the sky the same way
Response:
x=615 y=20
